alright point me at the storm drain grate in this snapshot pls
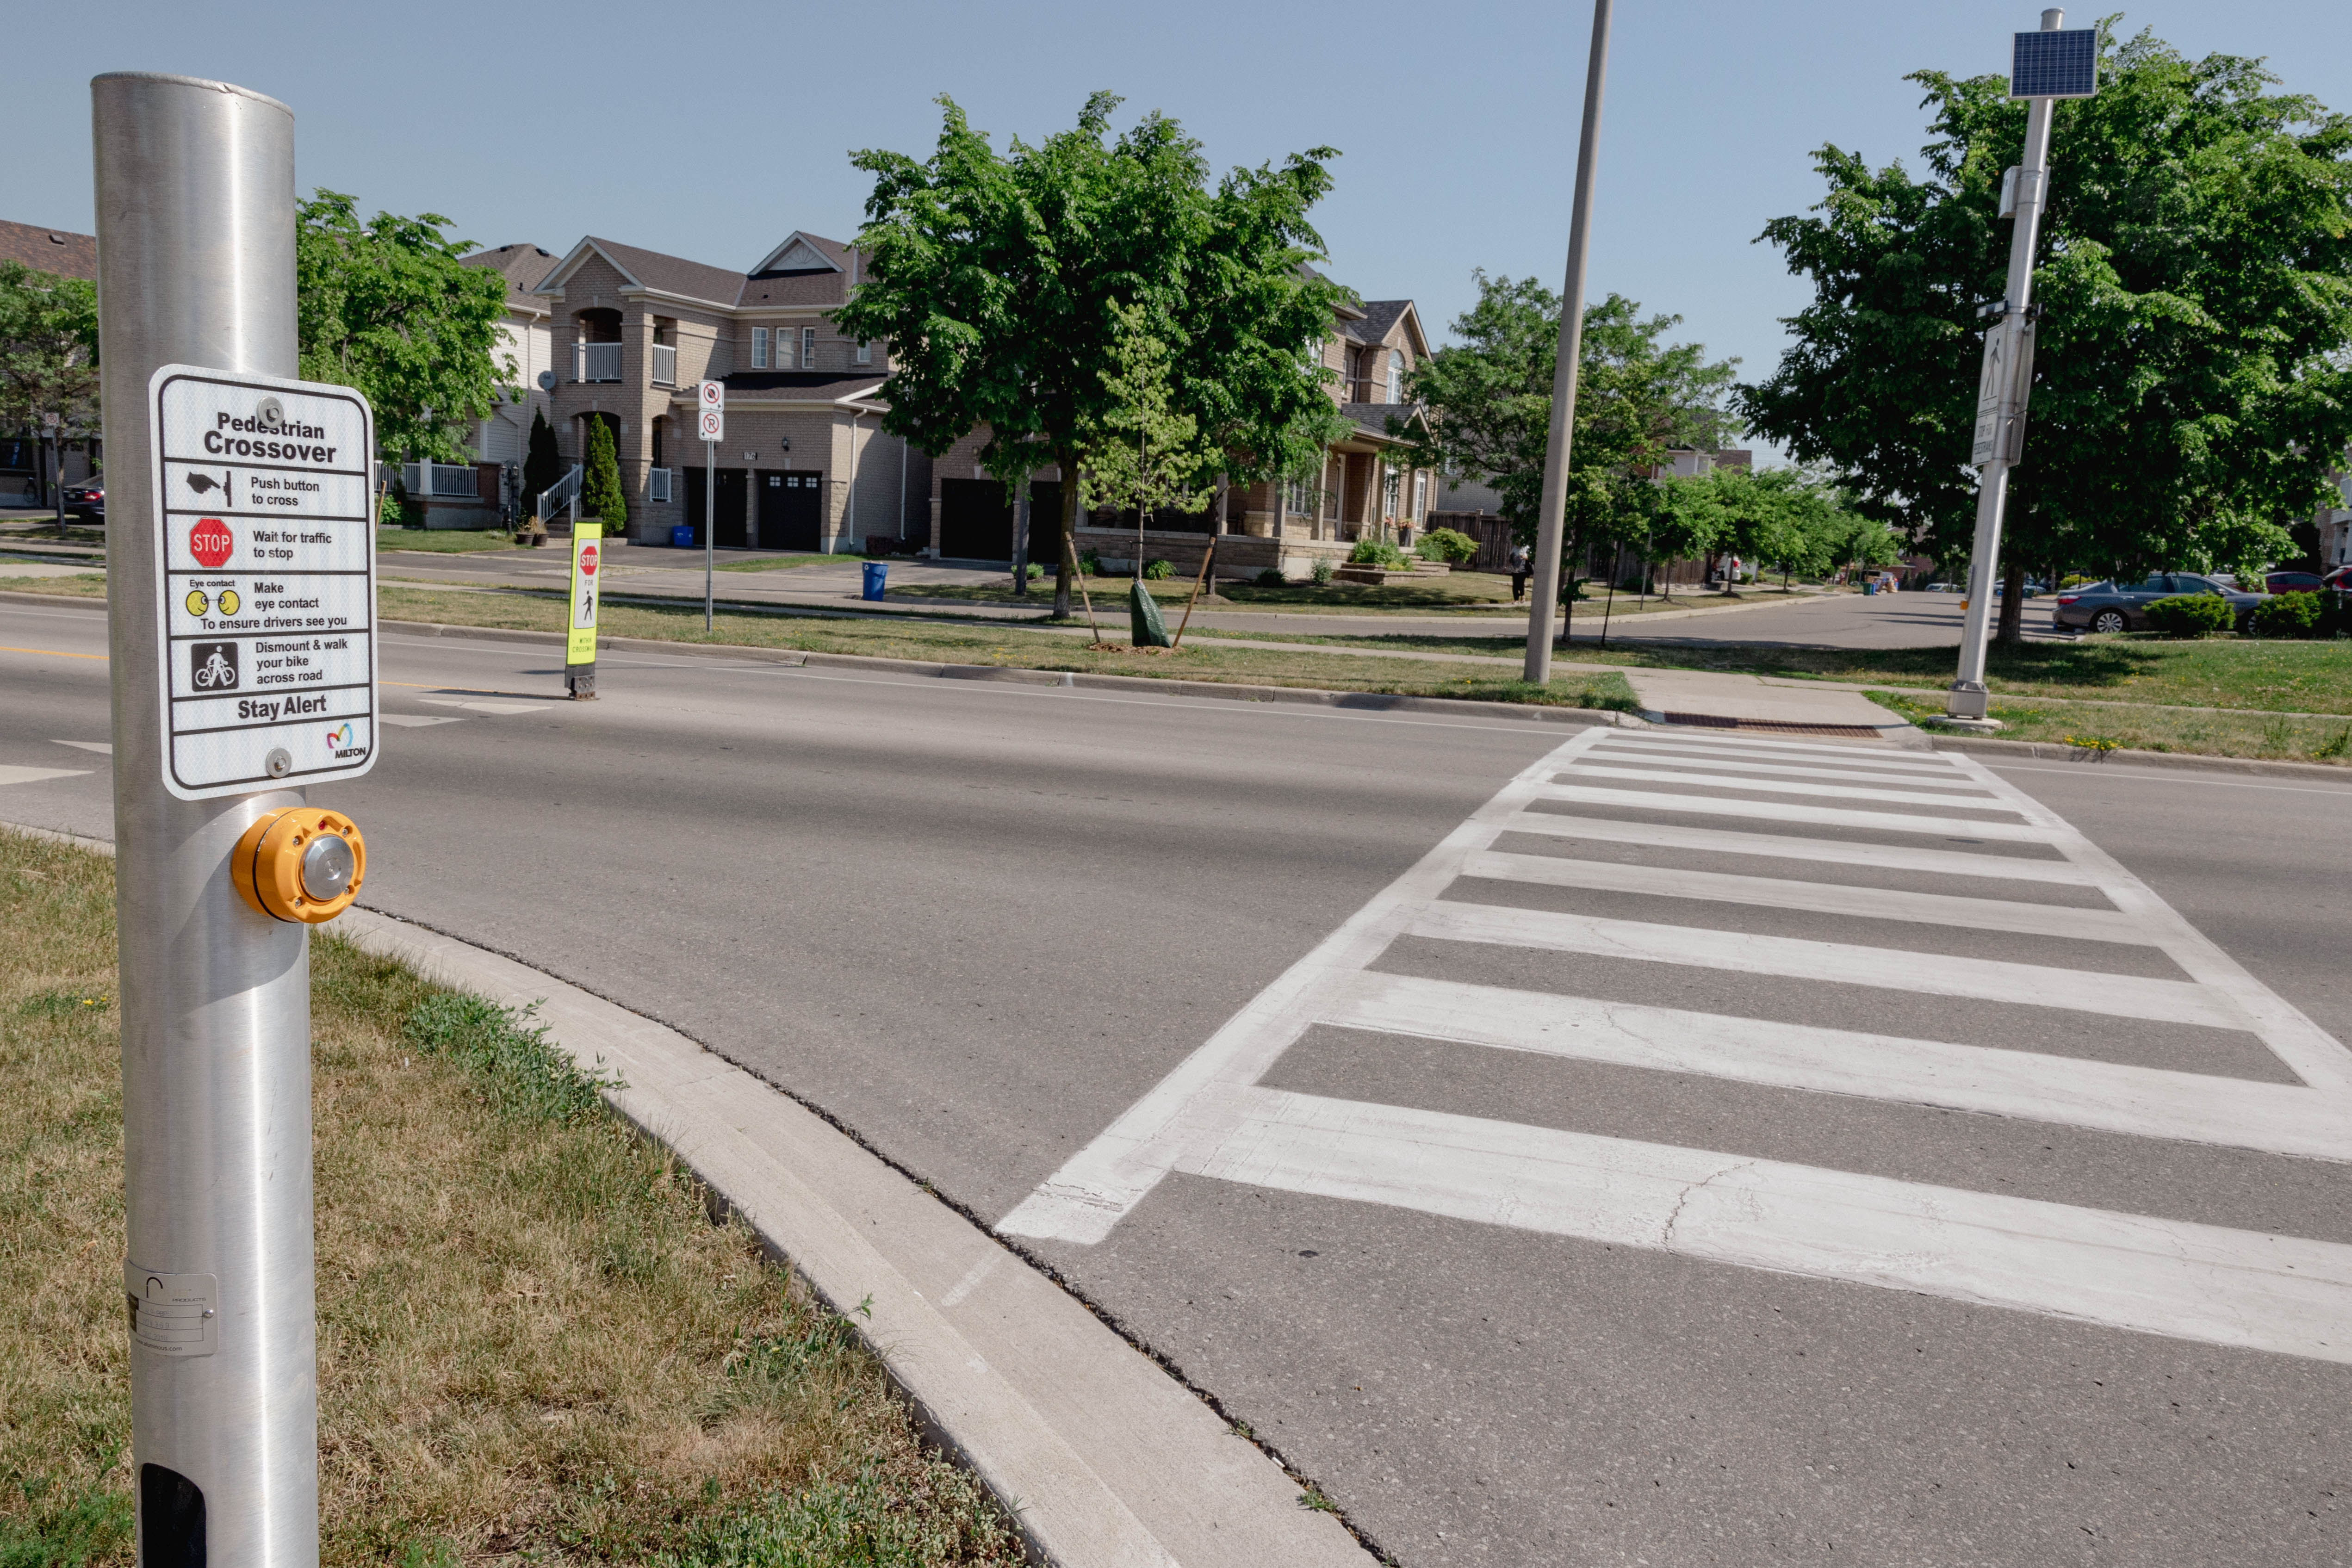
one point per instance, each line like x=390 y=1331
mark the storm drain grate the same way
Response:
x=1773 y=726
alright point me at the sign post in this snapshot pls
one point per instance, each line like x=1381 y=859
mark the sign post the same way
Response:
x=241 y=603
x=2044 y=66
x=580 y=640
x=713 y=397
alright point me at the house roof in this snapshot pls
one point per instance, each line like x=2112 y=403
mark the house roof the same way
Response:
x=61 y=251
x=1372 y=418
x=814 y=270
x=1381 y=318
x=522 y=266
x=796 y=386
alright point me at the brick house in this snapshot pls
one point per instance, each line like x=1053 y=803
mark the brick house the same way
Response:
x=805 y=464
x=32 y=464
x=1364 y=489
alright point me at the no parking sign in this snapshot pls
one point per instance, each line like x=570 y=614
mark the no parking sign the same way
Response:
x=713 y=395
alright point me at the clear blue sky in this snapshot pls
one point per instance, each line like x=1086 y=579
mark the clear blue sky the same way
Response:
x=712 y=131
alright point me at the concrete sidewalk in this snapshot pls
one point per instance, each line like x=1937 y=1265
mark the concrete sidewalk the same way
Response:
x=1745 y=702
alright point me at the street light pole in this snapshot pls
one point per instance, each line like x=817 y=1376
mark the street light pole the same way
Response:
x=1550 y=518
x=195 y=248
x=2004 y=384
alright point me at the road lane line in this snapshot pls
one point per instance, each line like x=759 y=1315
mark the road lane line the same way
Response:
x=1096 y=1187
x=103 y=748
x=1778 y=811
x=1798 y=957
x=1816 y=897
x=1828 y=851
x=53 y=653
x=2114 y=1097
x=14 y=774
x=1946 y=799
x=2281 y=1294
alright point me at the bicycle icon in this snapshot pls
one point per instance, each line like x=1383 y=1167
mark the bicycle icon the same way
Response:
x=212 y=666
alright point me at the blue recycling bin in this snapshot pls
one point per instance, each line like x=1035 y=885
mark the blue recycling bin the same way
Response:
x=681 y=537
x=878 y=576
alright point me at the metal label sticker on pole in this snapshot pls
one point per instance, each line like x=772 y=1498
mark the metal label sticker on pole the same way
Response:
x=267 y=606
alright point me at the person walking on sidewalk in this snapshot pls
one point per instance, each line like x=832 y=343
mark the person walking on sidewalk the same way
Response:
x=1522 y=566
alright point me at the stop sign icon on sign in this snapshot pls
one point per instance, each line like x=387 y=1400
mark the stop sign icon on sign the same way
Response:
x=210 y=541
x=588 y=560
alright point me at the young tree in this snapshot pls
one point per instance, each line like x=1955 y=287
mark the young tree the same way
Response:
x=993 y=276
x=543 y=465
x=385 y=307
x=2191 y=380
x=1139 y=453
x=600 y=481
x=1490 y=400
x=48 y=355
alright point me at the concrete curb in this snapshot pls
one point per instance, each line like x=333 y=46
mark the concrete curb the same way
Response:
x=1104 y=1458
x=1993 y=748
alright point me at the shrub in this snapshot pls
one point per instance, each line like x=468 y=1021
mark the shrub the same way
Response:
x=2286 y=616
x=1272 y=578
x=1450 y=545
x=1156 y=570
x=2191 y=615
x=1377 y=552
x=600 y=485
x=1089 y=564
x=1323 y=573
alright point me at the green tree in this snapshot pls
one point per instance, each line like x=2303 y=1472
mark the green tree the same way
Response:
x=543 y=465
x=2192 y=379
x=1138 y=452
x=1490 y=400
x=993 y=277
x=385 y=307
x=48 y=352
x=600 y=480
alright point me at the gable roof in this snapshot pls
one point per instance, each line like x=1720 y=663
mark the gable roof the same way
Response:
x=61 y=251
x=651 y=269
x=521 y=266
x=803 y=252
x=778 y=279
x=1380 y=317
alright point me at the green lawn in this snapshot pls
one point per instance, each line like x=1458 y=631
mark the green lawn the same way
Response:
x=2244 y=732
x=776 y=563
x=443 y=541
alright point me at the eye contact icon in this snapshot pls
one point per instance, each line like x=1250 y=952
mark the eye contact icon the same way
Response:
x=197 y=601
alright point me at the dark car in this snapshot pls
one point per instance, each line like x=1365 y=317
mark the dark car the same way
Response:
x=2123 y=607
x=2292 y=582
x=87 y=500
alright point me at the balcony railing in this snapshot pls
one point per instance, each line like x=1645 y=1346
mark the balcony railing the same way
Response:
x=596 y=362
x=664 y=365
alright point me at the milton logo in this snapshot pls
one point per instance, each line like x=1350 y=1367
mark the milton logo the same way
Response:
x=339 y=741
x=212 y=666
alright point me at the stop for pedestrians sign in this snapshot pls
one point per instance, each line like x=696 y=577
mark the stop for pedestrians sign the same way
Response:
x=713 y=396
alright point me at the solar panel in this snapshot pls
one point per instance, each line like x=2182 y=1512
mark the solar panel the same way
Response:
x=2056 y=65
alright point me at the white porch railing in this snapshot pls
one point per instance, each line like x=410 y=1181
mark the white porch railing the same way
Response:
x=565 y=490
x=442 y=481
x=664 y=365
x=596 y=362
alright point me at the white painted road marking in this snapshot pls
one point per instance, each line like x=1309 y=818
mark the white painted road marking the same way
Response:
x=1209 y=1118
x=12 y=775
x=103 y=748
x=417 y=720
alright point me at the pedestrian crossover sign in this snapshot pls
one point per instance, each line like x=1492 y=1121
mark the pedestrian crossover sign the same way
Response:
x=587 y=554
x=267 y=586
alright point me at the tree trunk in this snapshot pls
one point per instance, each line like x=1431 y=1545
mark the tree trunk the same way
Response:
x=2012 y=601
x=1065 y=528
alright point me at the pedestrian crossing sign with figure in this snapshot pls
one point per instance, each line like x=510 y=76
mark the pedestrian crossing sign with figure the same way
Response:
x=580 y=642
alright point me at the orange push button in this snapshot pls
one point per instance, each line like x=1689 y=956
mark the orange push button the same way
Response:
x=299 y=864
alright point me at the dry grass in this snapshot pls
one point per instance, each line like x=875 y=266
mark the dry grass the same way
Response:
x=532 y=1341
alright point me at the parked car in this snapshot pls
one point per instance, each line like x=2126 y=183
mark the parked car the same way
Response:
x=1943 y=588
x=87 y=500
x=2340 y=581
x=2292 y=582
x=2123 y=607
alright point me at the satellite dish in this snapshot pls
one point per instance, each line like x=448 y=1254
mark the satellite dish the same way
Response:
x=547 y=381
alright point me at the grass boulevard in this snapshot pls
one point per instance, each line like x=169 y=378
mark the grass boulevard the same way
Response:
x=533 y=1343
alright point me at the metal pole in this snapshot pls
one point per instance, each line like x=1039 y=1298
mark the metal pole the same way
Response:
x=195 y=248
x=1552 y=513
x=1967 y=700
x=710 y=524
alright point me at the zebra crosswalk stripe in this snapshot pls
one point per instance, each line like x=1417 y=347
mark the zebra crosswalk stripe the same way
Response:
x=1211 y=1118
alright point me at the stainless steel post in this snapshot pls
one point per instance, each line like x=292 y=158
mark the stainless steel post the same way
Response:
x=1967 y=700
x=195 y=250
x=1550 y=516
x=710 y=524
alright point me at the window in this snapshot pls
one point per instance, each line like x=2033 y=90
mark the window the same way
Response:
x=1420 y=495
x=1390 y=484
x=865 y=352
x=808 y=347
x=1396 y=376
x=759 y=347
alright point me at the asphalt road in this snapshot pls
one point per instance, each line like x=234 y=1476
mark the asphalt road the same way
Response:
x=1801 y=1246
